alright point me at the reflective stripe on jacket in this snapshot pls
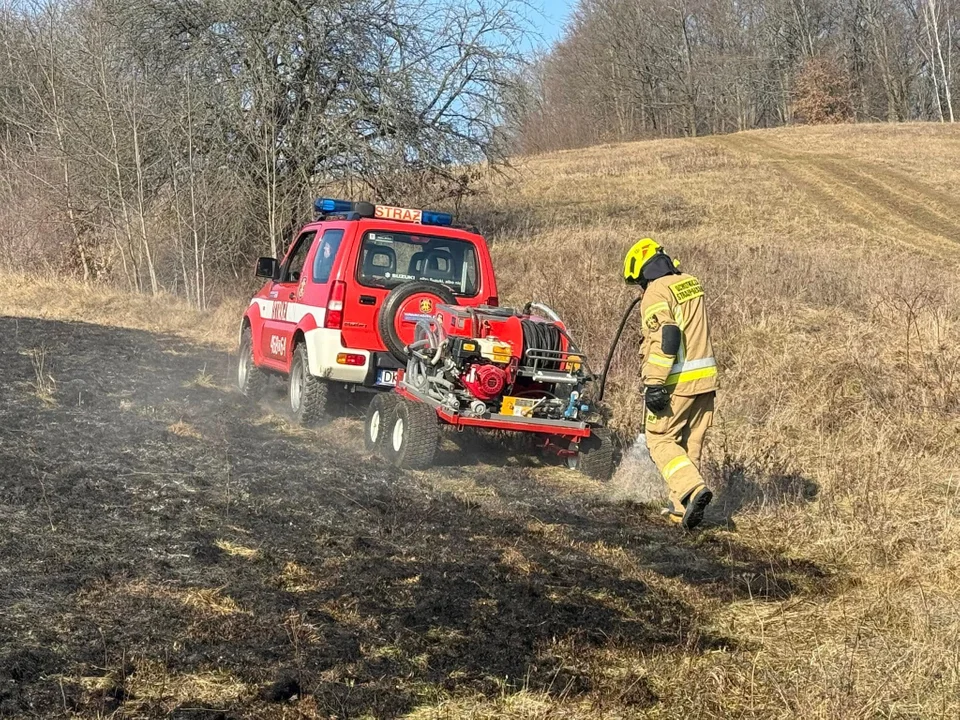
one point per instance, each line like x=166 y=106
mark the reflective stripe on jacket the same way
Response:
x=677 y=300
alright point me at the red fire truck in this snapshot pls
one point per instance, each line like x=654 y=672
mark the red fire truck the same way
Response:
x=373 y=297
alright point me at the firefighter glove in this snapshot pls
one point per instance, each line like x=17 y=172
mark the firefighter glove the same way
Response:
x=656 y=397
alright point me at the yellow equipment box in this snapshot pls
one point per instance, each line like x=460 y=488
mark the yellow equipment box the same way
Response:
x=518 y=407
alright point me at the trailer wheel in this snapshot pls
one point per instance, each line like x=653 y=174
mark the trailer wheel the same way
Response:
x=250 y=379
x=309 y=395
x=414 y=436
x=594 y=457
x=379 y=422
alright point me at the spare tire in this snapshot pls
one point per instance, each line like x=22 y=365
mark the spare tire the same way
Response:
x=403 y=307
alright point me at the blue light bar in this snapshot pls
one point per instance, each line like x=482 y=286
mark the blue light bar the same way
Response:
x=436 y=218
x=327 y=205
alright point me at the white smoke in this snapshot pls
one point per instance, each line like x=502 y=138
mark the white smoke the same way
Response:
x=637 y=478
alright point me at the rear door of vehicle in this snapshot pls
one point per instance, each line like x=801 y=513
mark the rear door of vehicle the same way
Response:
x=281 y=319
x=386 y=258
x=364 y=299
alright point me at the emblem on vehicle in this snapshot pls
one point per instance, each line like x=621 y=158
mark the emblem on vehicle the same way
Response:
x=426 y=305
x=303 y=285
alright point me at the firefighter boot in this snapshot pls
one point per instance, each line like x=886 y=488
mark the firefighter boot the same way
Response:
x=688 y=512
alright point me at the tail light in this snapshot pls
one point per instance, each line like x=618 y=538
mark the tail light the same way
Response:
x=334 y=317
x=351 y=359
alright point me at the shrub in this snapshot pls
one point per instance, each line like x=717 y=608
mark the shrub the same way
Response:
x=822 y=93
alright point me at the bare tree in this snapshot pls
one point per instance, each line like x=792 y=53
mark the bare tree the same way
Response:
x=637 y=68
x=941 y=72
x=180 y=138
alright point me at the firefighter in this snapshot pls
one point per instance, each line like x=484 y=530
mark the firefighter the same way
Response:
x=679 y=376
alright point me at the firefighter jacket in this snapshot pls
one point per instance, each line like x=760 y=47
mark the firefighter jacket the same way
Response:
x=683 y=361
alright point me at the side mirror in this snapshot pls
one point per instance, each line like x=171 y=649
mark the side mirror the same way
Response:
x=267 y=267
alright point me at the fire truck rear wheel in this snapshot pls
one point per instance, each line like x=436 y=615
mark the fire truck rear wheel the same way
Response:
x=309 y=395
x=413 y=437
x=250 y=379
x=594 y=457
x=379 y=422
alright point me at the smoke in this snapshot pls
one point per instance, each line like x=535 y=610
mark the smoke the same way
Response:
x=637 y=478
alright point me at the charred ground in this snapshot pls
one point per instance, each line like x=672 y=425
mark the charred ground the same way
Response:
x=169 y=547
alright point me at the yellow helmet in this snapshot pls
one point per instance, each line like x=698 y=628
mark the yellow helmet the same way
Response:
x=637 y=257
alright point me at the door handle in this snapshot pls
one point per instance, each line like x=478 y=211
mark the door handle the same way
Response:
x=368 y=300
x=292 y=296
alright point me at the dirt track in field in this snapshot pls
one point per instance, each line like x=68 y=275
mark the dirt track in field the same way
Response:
x=171 y=548
x=863 y=193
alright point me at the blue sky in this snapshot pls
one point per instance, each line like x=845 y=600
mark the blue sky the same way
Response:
x=555 y=14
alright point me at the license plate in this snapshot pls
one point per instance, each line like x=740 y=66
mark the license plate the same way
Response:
x=387 y=378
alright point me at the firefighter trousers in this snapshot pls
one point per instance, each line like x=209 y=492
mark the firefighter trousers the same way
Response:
x=675 y=440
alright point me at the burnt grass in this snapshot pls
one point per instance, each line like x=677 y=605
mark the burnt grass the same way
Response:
x=369 y=593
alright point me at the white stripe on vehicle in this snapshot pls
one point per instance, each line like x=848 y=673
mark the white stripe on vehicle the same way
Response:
x=291 y=312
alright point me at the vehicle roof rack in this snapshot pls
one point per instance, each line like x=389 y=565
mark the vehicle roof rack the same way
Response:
x=339 y=216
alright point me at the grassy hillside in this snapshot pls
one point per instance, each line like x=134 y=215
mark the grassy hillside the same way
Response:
x=831 y=260
x=826 y=586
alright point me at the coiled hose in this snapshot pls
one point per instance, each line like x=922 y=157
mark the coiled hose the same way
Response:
x=544 y=337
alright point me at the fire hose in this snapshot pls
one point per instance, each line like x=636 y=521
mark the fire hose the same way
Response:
x=613 y=346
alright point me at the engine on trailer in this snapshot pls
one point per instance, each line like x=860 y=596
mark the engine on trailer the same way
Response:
x=487 y=361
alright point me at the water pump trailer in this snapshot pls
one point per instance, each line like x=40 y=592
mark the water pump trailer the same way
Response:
x=491 y=368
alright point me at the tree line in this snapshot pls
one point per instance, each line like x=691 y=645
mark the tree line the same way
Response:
x=163 y=144
x=628 y=69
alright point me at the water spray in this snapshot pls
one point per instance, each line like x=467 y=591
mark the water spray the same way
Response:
x=637 y=478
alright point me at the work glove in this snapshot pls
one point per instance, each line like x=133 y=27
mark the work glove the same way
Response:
x=656 y=398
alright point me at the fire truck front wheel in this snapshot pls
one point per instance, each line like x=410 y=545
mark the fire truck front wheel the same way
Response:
x=309 y=395
x=379 y=421
x=413 y=437
x=250 y=379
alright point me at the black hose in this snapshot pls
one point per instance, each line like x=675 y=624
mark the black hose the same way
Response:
x=542 y=336
x=613 y=346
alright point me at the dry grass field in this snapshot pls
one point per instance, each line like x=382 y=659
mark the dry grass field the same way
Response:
x=172 y=550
